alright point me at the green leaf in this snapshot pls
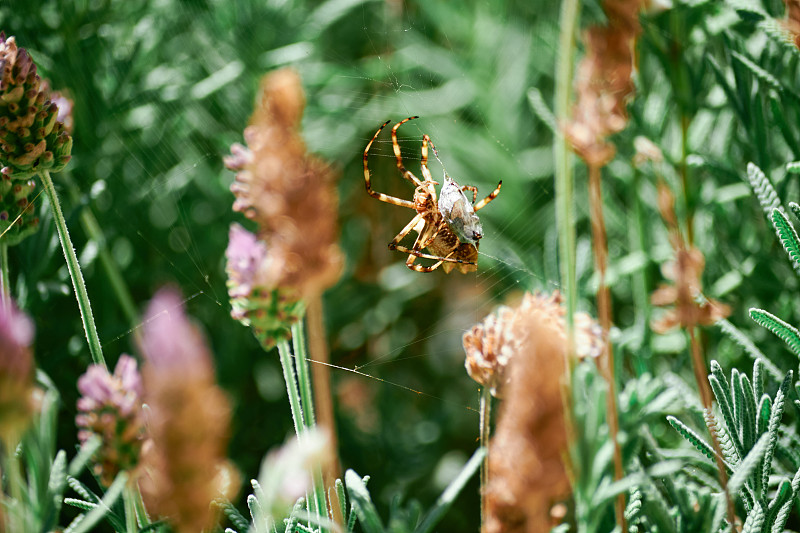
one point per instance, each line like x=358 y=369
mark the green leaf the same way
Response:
x=341 y=497
x=782 y=496
x=787 y=236
x=774 y=425
x=447 y=497
x=786 y=508
x=693 y=438
x=751 y=349
x=748 y=415
x=763 y=189
x=109 y=498
x=758 y=380
x=764 y=409
x=748 y=466
x=755 y=520
x=784 y=331
x=362 y=503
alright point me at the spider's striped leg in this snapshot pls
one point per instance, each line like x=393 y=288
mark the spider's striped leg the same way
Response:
x=368 y=181
x=419 y=244
x=420 y=268
x=396 y=147
x=474 y=190
x=489 y=198
x=426 y=173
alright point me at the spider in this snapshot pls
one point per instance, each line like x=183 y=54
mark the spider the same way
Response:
x=449 y=229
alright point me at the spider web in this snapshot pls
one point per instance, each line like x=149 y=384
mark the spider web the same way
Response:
x=162 y=89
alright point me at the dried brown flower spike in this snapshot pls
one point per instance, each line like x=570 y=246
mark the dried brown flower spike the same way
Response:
x=526 y=472
x=290 y=195
x=603 y=83
x=691 y=308
x=491 y=345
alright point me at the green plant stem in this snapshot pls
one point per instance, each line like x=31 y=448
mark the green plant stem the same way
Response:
x=323 y=399
x=303 y=373
x=129 y=500
x=570 y=12
x=291 y=386
x=600 y=249
x=485 y=417
x=317 y=503
x=565 y=216
x=641 y=278
x=74 y=271
x=5 y=283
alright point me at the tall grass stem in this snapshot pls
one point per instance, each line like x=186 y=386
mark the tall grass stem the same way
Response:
x=84 y=305
x=5 y=283
x=485 y=419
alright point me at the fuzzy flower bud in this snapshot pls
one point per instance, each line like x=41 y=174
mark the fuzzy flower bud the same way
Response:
x=290 y=195
x=31 y=136
x=492 y=344
x=16 y=371
x=110 y=407
x=184 y=460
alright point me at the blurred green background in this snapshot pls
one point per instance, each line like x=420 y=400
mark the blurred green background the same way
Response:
x=162 y=88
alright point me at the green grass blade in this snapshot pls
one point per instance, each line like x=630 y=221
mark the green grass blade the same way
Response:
x=447 y=497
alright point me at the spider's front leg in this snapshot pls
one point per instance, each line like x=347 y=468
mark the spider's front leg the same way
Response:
x=368 y=179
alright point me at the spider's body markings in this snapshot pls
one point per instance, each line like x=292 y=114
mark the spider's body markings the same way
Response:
x=448 y=228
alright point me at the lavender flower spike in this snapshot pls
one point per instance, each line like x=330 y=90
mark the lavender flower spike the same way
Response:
x=185 y=468
x=16 y=371
x=111 y=408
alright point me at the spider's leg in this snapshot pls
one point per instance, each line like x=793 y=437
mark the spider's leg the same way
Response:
x=420 y=268
x=489 y=198
x=367 y=179
x=406 y=174
x=423 y=255
x=474 y=190
x=424 y=163
x=419 y=244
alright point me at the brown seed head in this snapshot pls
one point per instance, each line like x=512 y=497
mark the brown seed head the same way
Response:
x=603 y=83
x=526 y=472
x=287 y=192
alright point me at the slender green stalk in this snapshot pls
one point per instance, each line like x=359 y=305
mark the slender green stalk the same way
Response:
x=303 y=373
x=291 y=386
x=5 y=283
x=317 y=503
x=565 y=216
x=129 y=499
x=570 y=11
x=74 y=271
x=485 y=417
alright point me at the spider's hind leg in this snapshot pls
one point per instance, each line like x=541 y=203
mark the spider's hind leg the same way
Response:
x=489 y=198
